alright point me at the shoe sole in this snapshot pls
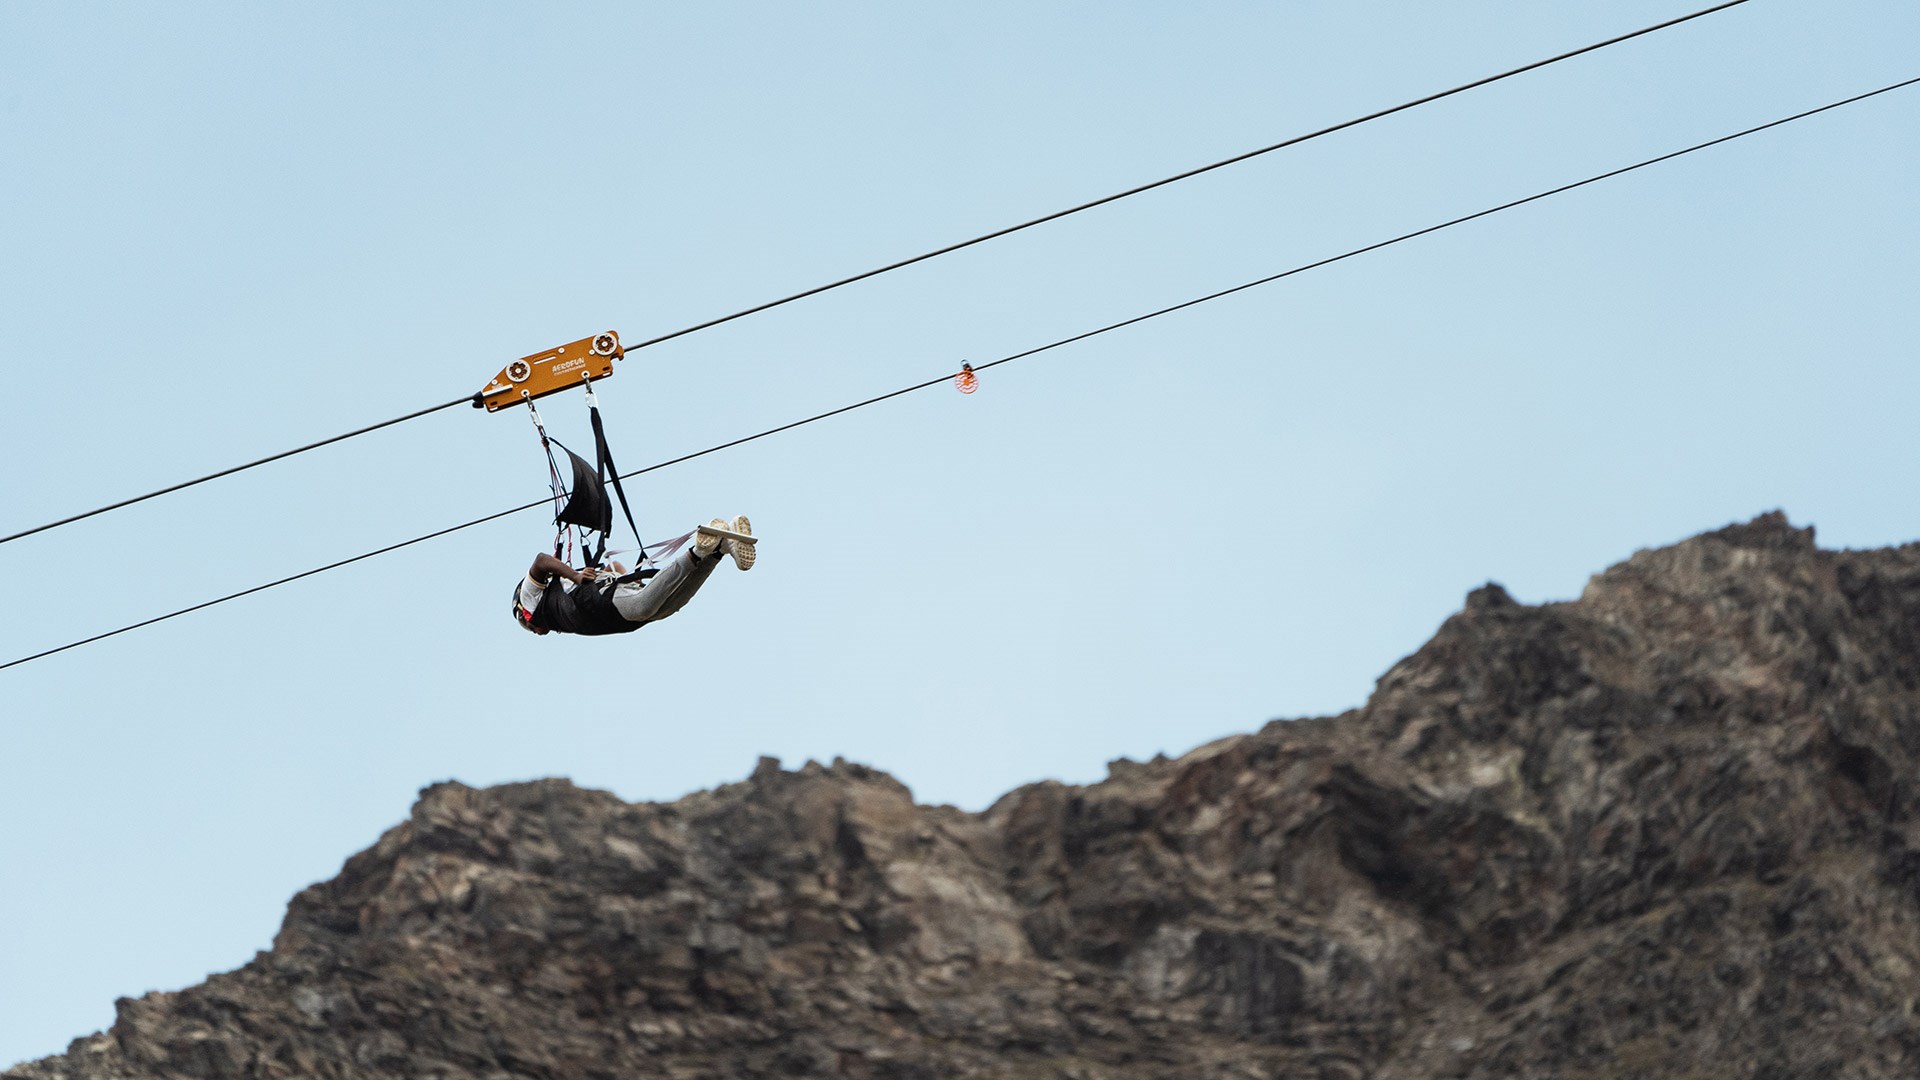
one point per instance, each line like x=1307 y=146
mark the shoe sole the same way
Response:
x=743 y=551
x=701 y=537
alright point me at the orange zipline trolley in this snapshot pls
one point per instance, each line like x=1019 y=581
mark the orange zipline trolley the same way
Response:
x=560 y=368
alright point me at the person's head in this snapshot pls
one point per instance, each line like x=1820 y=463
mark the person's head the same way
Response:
x=522 y=617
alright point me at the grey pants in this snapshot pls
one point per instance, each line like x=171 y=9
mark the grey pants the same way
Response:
x=667 y=591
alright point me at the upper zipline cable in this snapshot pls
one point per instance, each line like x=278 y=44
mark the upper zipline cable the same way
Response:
x=1403 y=237
x=237 y=468
x=981 y=239
x=1221 y=164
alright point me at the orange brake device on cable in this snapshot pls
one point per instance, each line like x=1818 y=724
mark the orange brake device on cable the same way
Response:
x=966 y=382
x=558 y=368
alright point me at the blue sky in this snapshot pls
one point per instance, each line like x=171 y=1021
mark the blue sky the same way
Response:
x=233 y=229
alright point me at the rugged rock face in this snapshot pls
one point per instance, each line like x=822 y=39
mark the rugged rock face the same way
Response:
x=1667 y=829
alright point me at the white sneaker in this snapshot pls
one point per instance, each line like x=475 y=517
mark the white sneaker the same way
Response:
x=705 y=544
x=742 y=550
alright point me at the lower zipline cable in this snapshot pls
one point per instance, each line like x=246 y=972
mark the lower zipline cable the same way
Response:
x=1003 y=360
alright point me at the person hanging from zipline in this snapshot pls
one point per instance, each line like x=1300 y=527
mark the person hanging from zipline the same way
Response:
x=601 y=596
x=554 y=596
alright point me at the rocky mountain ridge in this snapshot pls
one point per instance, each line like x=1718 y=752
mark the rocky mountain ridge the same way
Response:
x=1666 y=829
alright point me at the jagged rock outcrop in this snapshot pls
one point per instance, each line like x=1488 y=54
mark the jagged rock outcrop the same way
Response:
x=1668 y=829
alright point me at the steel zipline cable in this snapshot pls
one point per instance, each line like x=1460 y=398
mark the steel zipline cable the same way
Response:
x=1190 y=173
x=237 y=468
x=1009 y=359
x=937 y=252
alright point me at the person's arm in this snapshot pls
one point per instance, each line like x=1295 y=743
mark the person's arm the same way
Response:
x=546 y=566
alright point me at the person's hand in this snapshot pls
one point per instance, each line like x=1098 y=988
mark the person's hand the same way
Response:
x=587 y=575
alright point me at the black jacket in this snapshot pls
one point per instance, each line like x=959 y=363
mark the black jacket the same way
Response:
x=587 y=608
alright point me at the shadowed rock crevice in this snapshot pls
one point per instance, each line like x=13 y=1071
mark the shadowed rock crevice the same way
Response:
x=1667 y=829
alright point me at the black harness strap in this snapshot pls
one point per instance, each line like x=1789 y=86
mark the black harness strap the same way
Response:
x=610 y=471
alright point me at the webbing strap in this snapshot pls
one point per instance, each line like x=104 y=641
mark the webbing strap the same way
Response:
x=608 y=470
